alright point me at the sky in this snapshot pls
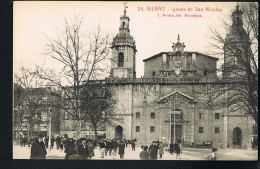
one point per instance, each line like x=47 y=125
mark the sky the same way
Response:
x=34 y=21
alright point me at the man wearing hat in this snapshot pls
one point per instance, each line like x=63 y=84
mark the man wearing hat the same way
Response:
x=38 y=150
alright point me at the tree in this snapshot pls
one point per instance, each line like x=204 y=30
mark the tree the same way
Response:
x=99 y=104
x=82 y=59
x=240 y=68
x=27 y=103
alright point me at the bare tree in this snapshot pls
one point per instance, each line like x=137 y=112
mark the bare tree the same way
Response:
x=82 y=59
x=99 y=104
x=240 y=71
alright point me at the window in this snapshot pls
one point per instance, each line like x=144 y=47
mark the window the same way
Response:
x=123 y=24
x=137 y=128
x=152 y=115
x=201 y=116
x=66 y=117
x=121 y=59
x=151 y=129
x=216 y=115
x=137 y=115
x=205 y=72
x=216 y=130
x=200 y=129
x=153 y=73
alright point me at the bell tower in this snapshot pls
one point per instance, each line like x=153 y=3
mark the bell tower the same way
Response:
x=123 y=51
x=236 y=46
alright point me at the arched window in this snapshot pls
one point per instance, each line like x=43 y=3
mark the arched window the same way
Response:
x=121 y=59
x=123 y=24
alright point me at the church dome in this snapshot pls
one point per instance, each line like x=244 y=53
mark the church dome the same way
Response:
x=123 y=38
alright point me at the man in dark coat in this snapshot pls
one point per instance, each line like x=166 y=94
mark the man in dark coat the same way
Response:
x=102 y=146
x=52 y=142
x=83 y=149
x=58 y=140
x=133 y=146
x=90 y=149
x=171 y=148
x=38 y=150
x=46 y=141
x=153 y=151
x=121 y=150
x=70 y=148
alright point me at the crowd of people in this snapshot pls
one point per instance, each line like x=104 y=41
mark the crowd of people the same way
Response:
x=83 y=148
x=151 y=152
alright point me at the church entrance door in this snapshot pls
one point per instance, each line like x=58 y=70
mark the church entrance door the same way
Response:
x=118 y=132
x=178 y=133
x=237 y=135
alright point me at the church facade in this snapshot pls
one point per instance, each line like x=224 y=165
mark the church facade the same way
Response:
x=169 y=102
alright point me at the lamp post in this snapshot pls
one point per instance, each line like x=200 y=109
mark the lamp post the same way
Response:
x=174 y=121
x=49 y=141
x=144 y=112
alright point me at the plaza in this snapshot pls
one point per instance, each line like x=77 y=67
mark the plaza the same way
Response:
x=187 y=154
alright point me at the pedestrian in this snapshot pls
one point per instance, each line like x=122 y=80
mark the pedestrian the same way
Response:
x=65 y=141
x=83 y=149
x=107 y=146
x=212 y=156
x=177 y=150
x=90 y=149
x=161 y=150
x=171 y=149
x=114 y=147
x=58 y=142
x=52 y=142
x=46 y=141
x=70 y=148
x=144 y=154
x=121 y=150
x=102 y=147
x=153 y=151
x=38 y=150
x=133 y=146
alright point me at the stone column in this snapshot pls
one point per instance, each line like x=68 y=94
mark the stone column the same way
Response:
x=249 y=127
x=193 y=122
x=225 y=131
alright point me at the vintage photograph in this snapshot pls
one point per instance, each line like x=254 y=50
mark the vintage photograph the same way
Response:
x=128 y=80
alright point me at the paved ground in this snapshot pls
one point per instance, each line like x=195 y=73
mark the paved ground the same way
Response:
x=188 y=154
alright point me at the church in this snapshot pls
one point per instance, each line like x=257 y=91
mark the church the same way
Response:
x=169 y=102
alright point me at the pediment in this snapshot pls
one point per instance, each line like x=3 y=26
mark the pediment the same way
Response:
x=175 y=94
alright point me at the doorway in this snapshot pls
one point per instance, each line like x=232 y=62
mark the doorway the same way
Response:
x=118 y=132
x=237 y=136
x=178 y=133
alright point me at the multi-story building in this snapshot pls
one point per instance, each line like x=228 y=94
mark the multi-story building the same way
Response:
x=32 y=110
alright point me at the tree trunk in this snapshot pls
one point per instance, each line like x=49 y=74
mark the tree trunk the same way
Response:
x=95 y=132
x=79 y=129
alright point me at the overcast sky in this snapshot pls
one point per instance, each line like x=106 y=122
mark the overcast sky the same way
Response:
x=153 y=33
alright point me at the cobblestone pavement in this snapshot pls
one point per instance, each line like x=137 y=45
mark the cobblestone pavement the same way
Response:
x=188 y=154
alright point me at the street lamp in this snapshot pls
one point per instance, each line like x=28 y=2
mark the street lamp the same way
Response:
x=174 y=112
x=49 y=141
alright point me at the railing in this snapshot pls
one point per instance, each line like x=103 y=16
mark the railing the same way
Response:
x=176 y=80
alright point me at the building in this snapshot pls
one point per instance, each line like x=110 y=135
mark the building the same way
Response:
x=32 y=107
x=168 y=91
x=172 y=102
